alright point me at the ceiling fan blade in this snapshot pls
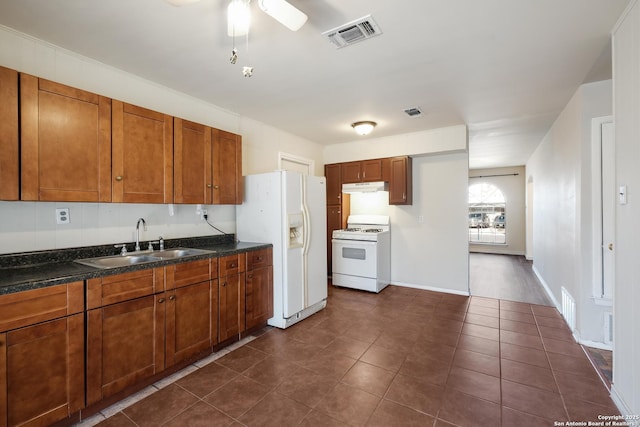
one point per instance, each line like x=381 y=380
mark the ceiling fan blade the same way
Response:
x=180 y=2
x=283 y=12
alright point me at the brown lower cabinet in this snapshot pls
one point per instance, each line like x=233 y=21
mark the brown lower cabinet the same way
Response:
x=42 y=355
x=138 y=324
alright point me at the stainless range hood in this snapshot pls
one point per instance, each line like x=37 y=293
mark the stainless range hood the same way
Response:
x=364 y=187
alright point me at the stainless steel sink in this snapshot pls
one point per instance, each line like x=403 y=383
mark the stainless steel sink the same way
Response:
x=180 y=252
x=140 y=258
x=118 y=260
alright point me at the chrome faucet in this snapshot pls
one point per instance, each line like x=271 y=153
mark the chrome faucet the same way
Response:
x=144 y=224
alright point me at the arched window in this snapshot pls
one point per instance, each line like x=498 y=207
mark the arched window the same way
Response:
x=487 y=219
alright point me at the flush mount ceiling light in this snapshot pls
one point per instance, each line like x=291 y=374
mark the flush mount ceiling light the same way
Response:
x=364 y=127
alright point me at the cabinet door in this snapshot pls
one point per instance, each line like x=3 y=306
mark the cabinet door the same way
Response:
x=191 y=162
x=42 y=372
x=400 y=186
x=125 y=344
x=232 y=308
x=259 y=296
x=351 y=172
x=9 y=142
x=372 y=170
x=227 y=168
x=334 y=184
x=334 y=222
x=142 y=155
x=188 y=322
x=65 y=143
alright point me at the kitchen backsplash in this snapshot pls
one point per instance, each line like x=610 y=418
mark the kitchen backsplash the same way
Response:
x=31 y=226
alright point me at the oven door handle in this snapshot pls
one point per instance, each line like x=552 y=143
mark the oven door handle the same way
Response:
x=354 y=242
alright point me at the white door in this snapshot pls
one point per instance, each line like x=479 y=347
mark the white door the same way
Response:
x=608 y=209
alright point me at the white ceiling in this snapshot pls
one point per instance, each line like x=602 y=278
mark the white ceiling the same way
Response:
x=506 y=68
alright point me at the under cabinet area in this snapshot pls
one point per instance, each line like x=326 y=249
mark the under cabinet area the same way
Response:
x=42 y=371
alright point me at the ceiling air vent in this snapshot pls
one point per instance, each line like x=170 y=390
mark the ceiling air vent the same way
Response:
x=353 y=32
x=413 y=112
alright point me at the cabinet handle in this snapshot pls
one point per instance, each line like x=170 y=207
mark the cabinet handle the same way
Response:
x=232 y=265
x=209 y=185
x=119 y=178
x=172 y=297
x=161 y=300
x=215 y=187
x=224 y=283
x=250 y=276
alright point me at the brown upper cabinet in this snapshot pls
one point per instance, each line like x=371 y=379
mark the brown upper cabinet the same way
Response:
x=207 y=165
x=9 y=142
x=362 y=171
x=334 y=184
x=227 y=168
x=142 y=163
x=65 y=143
x=400 y=182
x=191 y=162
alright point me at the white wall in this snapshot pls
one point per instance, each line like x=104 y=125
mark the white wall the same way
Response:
x=560 y=169
x=511 y=181
x=28 y=226
x=432 y=254
x=626 y=75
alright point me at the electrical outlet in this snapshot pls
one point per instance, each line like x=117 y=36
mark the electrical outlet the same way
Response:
x=62 y=216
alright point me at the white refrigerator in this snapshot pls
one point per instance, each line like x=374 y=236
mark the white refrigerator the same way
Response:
x=288 y=210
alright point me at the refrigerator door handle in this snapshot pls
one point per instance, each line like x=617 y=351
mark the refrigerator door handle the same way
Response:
x=306 y=237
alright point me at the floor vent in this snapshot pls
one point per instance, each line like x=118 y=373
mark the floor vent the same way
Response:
x=608 y=328
x=569 y=309
x=353 y=32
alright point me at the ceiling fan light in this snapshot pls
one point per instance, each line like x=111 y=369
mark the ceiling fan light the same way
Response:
x=238 y=18
x=363 y=128
x=283 y=12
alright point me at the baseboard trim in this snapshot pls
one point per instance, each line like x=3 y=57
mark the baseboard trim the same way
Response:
x=432 y=288
x=547 y=289
x=619 y=401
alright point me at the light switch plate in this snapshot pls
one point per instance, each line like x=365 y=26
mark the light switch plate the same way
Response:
x=62 y=216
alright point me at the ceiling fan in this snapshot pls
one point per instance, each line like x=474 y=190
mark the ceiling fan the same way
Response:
x=280 y=10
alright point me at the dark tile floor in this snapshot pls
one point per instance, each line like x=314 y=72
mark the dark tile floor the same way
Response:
x=403 y=357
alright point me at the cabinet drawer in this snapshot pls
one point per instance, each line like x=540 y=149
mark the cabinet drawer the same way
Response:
x=231 y=264
x=258 y=259
x=187 y=273
x=122 y=287
x=39 y=305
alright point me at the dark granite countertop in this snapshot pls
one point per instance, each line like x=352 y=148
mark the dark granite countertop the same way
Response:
x=32 y=270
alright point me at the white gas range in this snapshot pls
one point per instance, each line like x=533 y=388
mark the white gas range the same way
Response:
x=362 y=253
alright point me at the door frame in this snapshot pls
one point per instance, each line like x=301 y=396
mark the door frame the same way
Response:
x=298 y=160
x=596 y=209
